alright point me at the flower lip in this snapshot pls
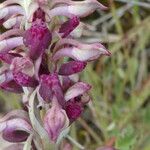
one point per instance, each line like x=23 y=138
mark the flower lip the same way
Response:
x=73 y=110
x=37 y=39
x=50 y=86
x=45 y=88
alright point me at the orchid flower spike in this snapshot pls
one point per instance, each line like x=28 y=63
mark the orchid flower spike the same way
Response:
x=39 y=35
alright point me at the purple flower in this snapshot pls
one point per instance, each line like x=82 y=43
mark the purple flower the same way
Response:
x=50 y=86
x=15 y=128
x=37 y=39
x=31 y=53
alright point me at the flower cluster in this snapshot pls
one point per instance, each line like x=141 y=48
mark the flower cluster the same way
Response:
x=42 y=58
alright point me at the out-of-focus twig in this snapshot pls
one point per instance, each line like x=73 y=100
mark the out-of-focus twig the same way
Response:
x=108 y=16
x=141 y=4
x=90 y=130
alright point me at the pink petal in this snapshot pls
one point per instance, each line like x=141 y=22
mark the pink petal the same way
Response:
x=9 y=44
x=17 y=130
x=7 y=58
x=12 y=32
x=45 y=90
x=7 y=83
x=72 y=67
x=10 y=2
x=11 y=86
x=66 y=82
x=67 y=27
x=50 y=86
x=13 y=22
x=79 y=54
x=24 y=79
x=24 y=65
x=11 y=10
x=58 y=2
x=77 y=89
x=80 y=9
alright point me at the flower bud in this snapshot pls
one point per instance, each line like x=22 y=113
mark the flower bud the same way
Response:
x=55 y=120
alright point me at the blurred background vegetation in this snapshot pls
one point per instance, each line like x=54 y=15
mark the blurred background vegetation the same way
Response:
x=119 y=113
